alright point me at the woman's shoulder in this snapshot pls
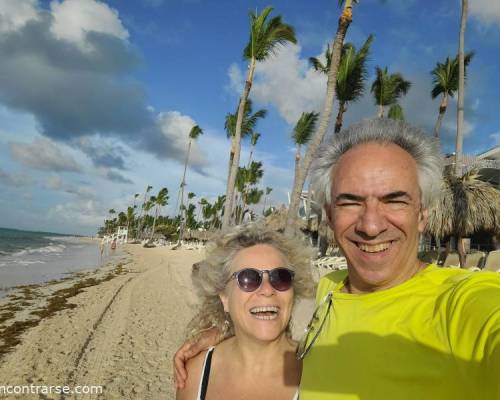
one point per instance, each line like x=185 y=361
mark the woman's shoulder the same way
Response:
x=194 y=368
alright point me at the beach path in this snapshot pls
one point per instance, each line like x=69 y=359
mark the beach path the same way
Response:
x=122 y=334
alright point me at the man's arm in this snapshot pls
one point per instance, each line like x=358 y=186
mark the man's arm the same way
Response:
x=190 y=349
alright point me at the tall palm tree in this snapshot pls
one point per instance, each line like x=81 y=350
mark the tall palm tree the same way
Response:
x=160 y=202
x=254 y=138
x=445 y=80
x=140 y=219
x=302 y=132
x=130 y=218
x=460 y=113
x=267 y=193
x=266 y=35
x=388 y=88
x=343 y=23
x=396 y=112
x=351 y=75
x=194 y=133
x=248 y=125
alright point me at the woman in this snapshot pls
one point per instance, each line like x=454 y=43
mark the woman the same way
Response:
x=248 y=284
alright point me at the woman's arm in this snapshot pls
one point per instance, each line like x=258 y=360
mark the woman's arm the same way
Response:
x=193 y=369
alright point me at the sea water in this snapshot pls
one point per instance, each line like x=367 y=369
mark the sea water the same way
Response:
x=34 y=257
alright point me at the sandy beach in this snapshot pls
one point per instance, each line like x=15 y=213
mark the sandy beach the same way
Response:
x=121 y=332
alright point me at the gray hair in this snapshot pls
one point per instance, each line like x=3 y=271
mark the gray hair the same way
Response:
x=211 y=275
x=424 y=150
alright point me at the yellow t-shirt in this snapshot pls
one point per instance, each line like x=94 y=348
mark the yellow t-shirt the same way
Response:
x=436 y=336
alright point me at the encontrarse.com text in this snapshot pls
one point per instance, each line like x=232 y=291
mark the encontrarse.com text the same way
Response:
x=18 y=390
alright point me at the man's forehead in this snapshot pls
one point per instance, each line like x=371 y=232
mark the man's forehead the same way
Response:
x=373 y=167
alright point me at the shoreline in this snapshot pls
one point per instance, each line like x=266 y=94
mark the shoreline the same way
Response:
x=120 y=332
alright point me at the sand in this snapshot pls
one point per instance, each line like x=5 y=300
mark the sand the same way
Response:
x=121 y=334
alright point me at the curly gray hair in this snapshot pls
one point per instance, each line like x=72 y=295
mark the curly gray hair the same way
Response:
x=211 y=275
x=424 y=150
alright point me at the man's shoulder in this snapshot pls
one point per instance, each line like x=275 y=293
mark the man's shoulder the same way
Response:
x=331 y=280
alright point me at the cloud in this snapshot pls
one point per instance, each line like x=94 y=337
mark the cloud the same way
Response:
x=78 y=214
x=16 y=180
x=54 y=182
x=72 y=19
x=102 y=152
x=496 y=138
x=44 y=154
x=47 y=70
x=175 y=128
x=113 y=176
x=287 y=82
x=486 y=11
x=14 y=14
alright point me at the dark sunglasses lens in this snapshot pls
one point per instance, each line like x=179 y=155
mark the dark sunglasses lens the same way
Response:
x=281 y=279
x=249 y=280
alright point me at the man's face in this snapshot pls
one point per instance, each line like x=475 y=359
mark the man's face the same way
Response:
x=376 y=214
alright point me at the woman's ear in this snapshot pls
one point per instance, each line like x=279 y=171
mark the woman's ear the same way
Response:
x=224 y=299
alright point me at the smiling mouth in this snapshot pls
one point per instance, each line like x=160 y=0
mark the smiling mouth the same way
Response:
x=374 y=248
x=265 y=312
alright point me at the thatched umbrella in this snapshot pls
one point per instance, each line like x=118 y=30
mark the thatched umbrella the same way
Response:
x=466 y=205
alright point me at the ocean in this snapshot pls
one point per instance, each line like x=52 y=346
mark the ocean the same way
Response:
x=34 y=257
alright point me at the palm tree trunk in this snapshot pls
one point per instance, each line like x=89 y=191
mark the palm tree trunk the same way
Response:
x=461 y=85
x=340 y=117
x=183 y=182
x=154 y=223
x=442 y=111
x=461 y=250
x=381 y=111
x=298 y=183
x=228 y=206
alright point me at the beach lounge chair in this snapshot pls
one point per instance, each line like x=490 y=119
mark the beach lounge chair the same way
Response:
x=492 y=261
x=452 y=260
x=430 y=256
x=474 y=261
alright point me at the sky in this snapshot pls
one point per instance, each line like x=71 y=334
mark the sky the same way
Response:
x=97 y=98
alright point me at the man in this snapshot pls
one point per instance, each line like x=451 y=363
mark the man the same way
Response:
x=395 y=327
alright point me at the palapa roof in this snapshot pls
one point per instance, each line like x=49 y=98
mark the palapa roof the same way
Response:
x=465 y=205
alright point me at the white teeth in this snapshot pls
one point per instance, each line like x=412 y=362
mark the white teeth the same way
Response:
x=374 y=248
x=271 y=312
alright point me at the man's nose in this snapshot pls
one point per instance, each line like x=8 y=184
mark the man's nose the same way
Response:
x=372 y=221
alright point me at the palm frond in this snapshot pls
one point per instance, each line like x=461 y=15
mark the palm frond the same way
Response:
x=305 y=127
x=195 y=132
x=445 y=75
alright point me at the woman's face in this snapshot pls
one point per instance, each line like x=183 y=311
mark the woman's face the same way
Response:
x=264 y=313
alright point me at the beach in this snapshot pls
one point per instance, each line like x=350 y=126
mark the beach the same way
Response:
x=121 y=331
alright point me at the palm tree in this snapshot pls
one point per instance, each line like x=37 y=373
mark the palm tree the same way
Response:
x=351 y=75
x=396 y=112
x=160 y=201
x=445 y=80
x=344 y=22
x=130 y=217
x=250 y=120
x=302 y=132
x=267 y=193
x=460 y=113
x=140 y=219
x=266 y=35
x=253 y=142
x=194 y=133
x=388 y=88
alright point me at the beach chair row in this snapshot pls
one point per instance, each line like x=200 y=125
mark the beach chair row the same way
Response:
x=477 y=261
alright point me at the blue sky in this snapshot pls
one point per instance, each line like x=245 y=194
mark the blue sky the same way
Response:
x=97 y=97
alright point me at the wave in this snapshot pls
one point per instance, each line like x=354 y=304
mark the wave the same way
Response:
x=50 y=249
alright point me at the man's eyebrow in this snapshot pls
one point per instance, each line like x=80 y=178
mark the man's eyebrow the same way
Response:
x=389 y=196
x=396 y=195
x=349 y=196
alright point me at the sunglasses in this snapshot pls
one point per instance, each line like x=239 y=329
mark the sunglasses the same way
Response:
x=250 y=279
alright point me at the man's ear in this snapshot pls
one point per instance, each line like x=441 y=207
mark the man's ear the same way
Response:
x=423 y=216
x=224 y=299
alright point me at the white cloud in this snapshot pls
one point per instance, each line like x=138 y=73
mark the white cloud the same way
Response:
x=287 y=82
x=496 y=138
x=44 y=154
x=236 y=79
x=54 y=182
x=176 y=127
x=78 y=214
x=73 y=19
x=14 y=14
x=486 y=11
